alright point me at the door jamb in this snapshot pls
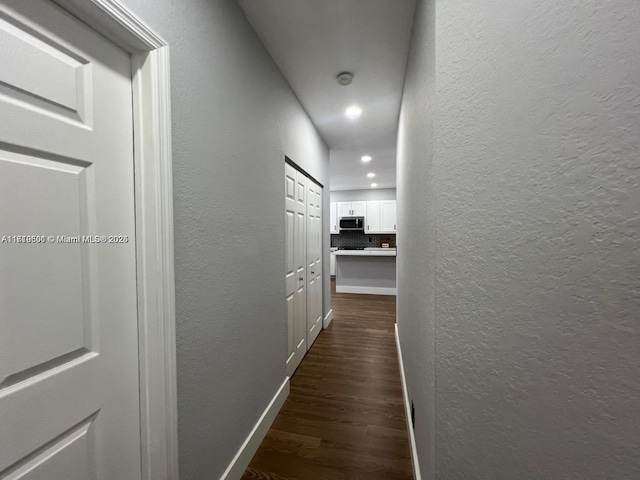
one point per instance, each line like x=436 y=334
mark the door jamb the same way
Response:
x=154 y=226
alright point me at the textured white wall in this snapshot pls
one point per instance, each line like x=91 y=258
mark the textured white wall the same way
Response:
x=234 y=120
x=416 y=267
x=536 y=267
x=371 y=194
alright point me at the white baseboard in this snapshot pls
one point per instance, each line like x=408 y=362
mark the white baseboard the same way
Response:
x=327 y=319
x=407 y=411
x=368 y=290
x=250 y=446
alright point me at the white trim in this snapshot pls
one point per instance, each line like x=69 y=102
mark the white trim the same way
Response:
x=250 y=446
x=293 y=362
x=407 y=411
x=327 y=319
x=116 y=22
x=154 y=227
x=367 y=290
x=156 y=289
x=130 y=23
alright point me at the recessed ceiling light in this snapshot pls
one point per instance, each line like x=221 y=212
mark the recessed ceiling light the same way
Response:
x=371 y=174
x=374 y=185
x=366 y=158
x=353 y=112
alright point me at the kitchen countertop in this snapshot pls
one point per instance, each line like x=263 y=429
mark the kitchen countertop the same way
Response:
x=377 y=252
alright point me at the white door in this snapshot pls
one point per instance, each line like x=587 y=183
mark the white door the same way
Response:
x=69 y=403
x=290 y=279
x=372 y=218
x=344 y=209
x=319 y=265
x=388 y=215
x=314 y=262
x=358 y=209
x=296 y=271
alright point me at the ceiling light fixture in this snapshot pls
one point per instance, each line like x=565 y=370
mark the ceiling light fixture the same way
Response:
x=366 y=158
x=353 y=112
x=374 y=185
x=371 y=174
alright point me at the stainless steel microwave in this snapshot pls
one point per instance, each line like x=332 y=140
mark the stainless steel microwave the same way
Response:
x=352 y=223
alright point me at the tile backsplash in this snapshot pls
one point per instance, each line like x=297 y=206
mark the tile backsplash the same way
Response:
x=361 y=239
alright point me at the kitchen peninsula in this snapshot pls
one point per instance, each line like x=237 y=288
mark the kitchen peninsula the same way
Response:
x=367 y=270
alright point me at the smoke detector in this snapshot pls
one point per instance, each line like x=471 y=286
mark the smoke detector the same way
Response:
x=345 y=78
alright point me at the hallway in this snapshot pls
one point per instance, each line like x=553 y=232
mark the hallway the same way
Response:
x=344 y=418
x=165 y=278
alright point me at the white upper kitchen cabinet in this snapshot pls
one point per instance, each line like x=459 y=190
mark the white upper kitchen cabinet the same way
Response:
x=380 y=217
x=372 y=218
x=351 y=209
x=333 y=216
x=344 y=209
x=388 y=216
x=358 y=208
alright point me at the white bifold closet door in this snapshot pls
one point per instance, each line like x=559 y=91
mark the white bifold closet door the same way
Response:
x=296 y=259
x=303 y=272
x=314 y=262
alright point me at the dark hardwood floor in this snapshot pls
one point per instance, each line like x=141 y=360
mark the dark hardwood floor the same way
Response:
x=344 y=418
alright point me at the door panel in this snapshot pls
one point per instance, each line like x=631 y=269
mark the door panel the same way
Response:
x=314 y=271
x=295 y=254
x=301 y=271
x=290 y=229
x=69 y=404
x=290 y=267
x=65 y=458
x=33 y=342
x=319 y=265
x=311 y=260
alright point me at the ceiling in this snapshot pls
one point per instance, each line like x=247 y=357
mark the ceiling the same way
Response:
x=312 y=41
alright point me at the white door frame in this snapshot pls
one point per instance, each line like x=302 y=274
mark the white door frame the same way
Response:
x=154 y=226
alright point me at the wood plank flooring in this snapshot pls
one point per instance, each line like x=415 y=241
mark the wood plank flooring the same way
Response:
x=344 y=418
